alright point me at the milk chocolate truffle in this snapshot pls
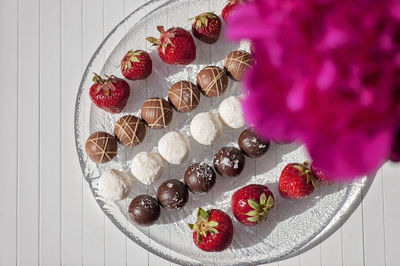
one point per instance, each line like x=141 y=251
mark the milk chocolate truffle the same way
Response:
x=156 y=112
x=144 y=210
x=130 y=130
x=101 y=147
x=200 y=177
x=184 y=96
x=251 y=145
x=229 y=162
x=212 y=81
x=173 y=194
x=237 y=63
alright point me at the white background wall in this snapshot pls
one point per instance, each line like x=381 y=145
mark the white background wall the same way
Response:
x=47 y=213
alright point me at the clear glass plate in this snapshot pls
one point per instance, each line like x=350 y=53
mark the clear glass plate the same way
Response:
x=292 y=226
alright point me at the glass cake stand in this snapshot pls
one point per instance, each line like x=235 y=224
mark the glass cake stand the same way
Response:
x=292 y=226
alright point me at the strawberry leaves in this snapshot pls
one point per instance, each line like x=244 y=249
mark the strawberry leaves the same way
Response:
x=260 y=208
x=203 y=226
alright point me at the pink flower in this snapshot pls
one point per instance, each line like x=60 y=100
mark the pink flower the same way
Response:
x=328 y=75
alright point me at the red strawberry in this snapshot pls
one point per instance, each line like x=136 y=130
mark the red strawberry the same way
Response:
x=213 y=230
x=175 y=46
x=207 y=27
x=296 y=181
x=318 y=174
x=251 y=204
x=136 y=65
x=230 y=8
x=109 y=94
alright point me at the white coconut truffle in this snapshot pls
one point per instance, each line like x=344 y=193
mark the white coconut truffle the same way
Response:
x=114 y=185
x=205 y=128
x=174 y=147
x=147 y=167
x=231 y=113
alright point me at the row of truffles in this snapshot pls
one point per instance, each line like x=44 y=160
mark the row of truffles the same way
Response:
x=172 y=194
x=173 y=147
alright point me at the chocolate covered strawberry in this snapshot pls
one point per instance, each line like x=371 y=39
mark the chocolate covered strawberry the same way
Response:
x=136 y=65
x=207 y=27
x=175 y=46
x=296 y=181
x=110 y=94
x=230 y=8
x=251 y=204
x=213 y=231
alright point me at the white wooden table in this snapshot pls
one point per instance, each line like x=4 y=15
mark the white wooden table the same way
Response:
x=47 y=213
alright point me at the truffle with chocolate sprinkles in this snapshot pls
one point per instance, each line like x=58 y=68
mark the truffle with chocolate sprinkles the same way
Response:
x=144 y=210
x=237 y=63
x=212 y=81
x=101 y=147
x=184 y=96
x=156 y=112
x=229 y=162
x=251 y=145
x=130 y=130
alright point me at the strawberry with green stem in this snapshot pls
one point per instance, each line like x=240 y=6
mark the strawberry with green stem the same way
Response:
x=252 y=204
x=136 y=65
x=213 y=230
x=296 y=181
x=175 y=46
x=206 y=27
x=110 y=94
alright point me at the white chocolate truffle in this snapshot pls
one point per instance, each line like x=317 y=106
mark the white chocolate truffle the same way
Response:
x=147 y=167
x=231 y=113
x=205 y=128
x=114 y=185
x=174 y=147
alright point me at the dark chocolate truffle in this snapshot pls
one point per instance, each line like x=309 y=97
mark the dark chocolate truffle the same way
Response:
x=173 y=194
x=251 y=145
x=130 y=130
x=229 y=162
x=237 y=63
x=200 y=177
x=156 y=112
x=101 y=147
x=184 y=96
x=212 y=81
x=144 y=210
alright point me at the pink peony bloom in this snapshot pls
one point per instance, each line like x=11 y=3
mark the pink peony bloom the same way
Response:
x=328 y=75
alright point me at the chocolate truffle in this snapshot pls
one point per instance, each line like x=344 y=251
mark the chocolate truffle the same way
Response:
x=144 y=210
x=184 y=96
x=237 y=63
x=130 y=130
x=205 y=128
x=229 y=162
x=156 y=112
x=200 y=177
x=147 y=167
x=251 y=145
x=173 y=194
x=230 y=112
x=212 y=81
x=174 y=147
x=101 y=147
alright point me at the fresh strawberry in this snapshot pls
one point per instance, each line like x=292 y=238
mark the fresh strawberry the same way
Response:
x=296 y=181
x=230 y=8
x=136 y=65
x=175 y=46
x=213 y=230
x=251 y=204
x=207 y=27
x=319 y=175
x=109 y=94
